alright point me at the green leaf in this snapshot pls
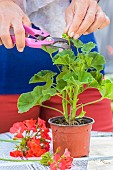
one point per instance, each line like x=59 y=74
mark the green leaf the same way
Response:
x=98 y=77
x=38 y=92
x=50 y=91
x=88 y=47
x=26 y=101
x=49 y=49
x=46 y=159
x=98 y=61
x=106 y=89
x=43 y=76
x=88 y=60
x=77 y=43
x=84 y=77
x=66 y=57
x=60 y=76
x=71 y=78
x=61 y=85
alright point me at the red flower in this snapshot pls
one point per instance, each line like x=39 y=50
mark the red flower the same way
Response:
x=53 y=166
x=19 y=136
x=66 y=160
x=45 y=135
x=32 y=144
x=66 y=153
x=35 y=149
x=56 y=157
x=62 y=165
x=30 y=125
x=18 y=128
x=41 y=123
x=16 y=153
x=46 y=146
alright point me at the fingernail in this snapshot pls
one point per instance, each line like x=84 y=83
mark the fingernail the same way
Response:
x=76 y=36
x=86 y=33
x=71 y=34
x=20 y=49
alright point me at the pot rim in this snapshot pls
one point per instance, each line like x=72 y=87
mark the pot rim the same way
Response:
x=50 y=122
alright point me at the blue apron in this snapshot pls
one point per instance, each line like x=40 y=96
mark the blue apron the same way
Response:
x=16 y=68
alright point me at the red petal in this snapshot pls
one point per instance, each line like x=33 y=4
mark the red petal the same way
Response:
x=16 y=153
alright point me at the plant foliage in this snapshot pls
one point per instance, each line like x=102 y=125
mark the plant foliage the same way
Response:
x=75 y=72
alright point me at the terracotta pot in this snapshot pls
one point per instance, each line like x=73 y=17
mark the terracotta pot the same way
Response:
x=75 y=138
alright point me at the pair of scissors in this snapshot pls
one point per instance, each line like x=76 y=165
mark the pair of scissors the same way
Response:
x=42 y=38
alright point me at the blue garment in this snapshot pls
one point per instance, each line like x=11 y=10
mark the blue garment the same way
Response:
x=16 y=68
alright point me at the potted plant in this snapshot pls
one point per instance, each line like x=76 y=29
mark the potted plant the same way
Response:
x=76 y=74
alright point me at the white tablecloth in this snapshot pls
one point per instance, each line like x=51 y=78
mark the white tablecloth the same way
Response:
x=80 y=163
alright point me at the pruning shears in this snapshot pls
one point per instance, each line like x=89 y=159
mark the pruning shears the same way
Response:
x=42 y=38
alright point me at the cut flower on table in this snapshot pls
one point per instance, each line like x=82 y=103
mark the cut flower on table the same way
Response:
x=34 y=141
x=33 y=136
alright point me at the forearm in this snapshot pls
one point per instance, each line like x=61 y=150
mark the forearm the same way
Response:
x=18 y=2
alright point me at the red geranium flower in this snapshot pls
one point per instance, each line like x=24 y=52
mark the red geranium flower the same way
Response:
x=53 y=166
x=45 y=135
x=46 y=146
x=18 y=128
x=16 y=153
x=30 y=125
x=34 y=138
x=41 y=123
x=35 y=149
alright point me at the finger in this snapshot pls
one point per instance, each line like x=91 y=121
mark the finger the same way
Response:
x=69 y=15
x=26 y=21
x=89 y=19
x=5 y=35
x=1 y=42
x=19 y=35
x=80 y=13
x=106 y=23
x=100 y=19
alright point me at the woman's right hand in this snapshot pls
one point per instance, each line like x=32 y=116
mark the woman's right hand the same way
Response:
x=11 y=16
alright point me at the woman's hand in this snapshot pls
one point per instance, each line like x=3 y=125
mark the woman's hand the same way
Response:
x=11 y=16
x=84 y=17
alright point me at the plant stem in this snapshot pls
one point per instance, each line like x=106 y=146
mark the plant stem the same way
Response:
x=63 y=98
x=64 y=104
x=16 y=160
x=13 y=141
x=52 y=108
x=95 y=101
x=75 y=100
x=70 y=94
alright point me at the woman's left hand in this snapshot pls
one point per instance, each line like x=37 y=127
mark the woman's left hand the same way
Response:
x=84 y=17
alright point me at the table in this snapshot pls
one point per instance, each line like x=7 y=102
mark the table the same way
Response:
x=100 y=158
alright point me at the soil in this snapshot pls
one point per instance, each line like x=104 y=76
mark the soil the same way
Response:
x=77 y=121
